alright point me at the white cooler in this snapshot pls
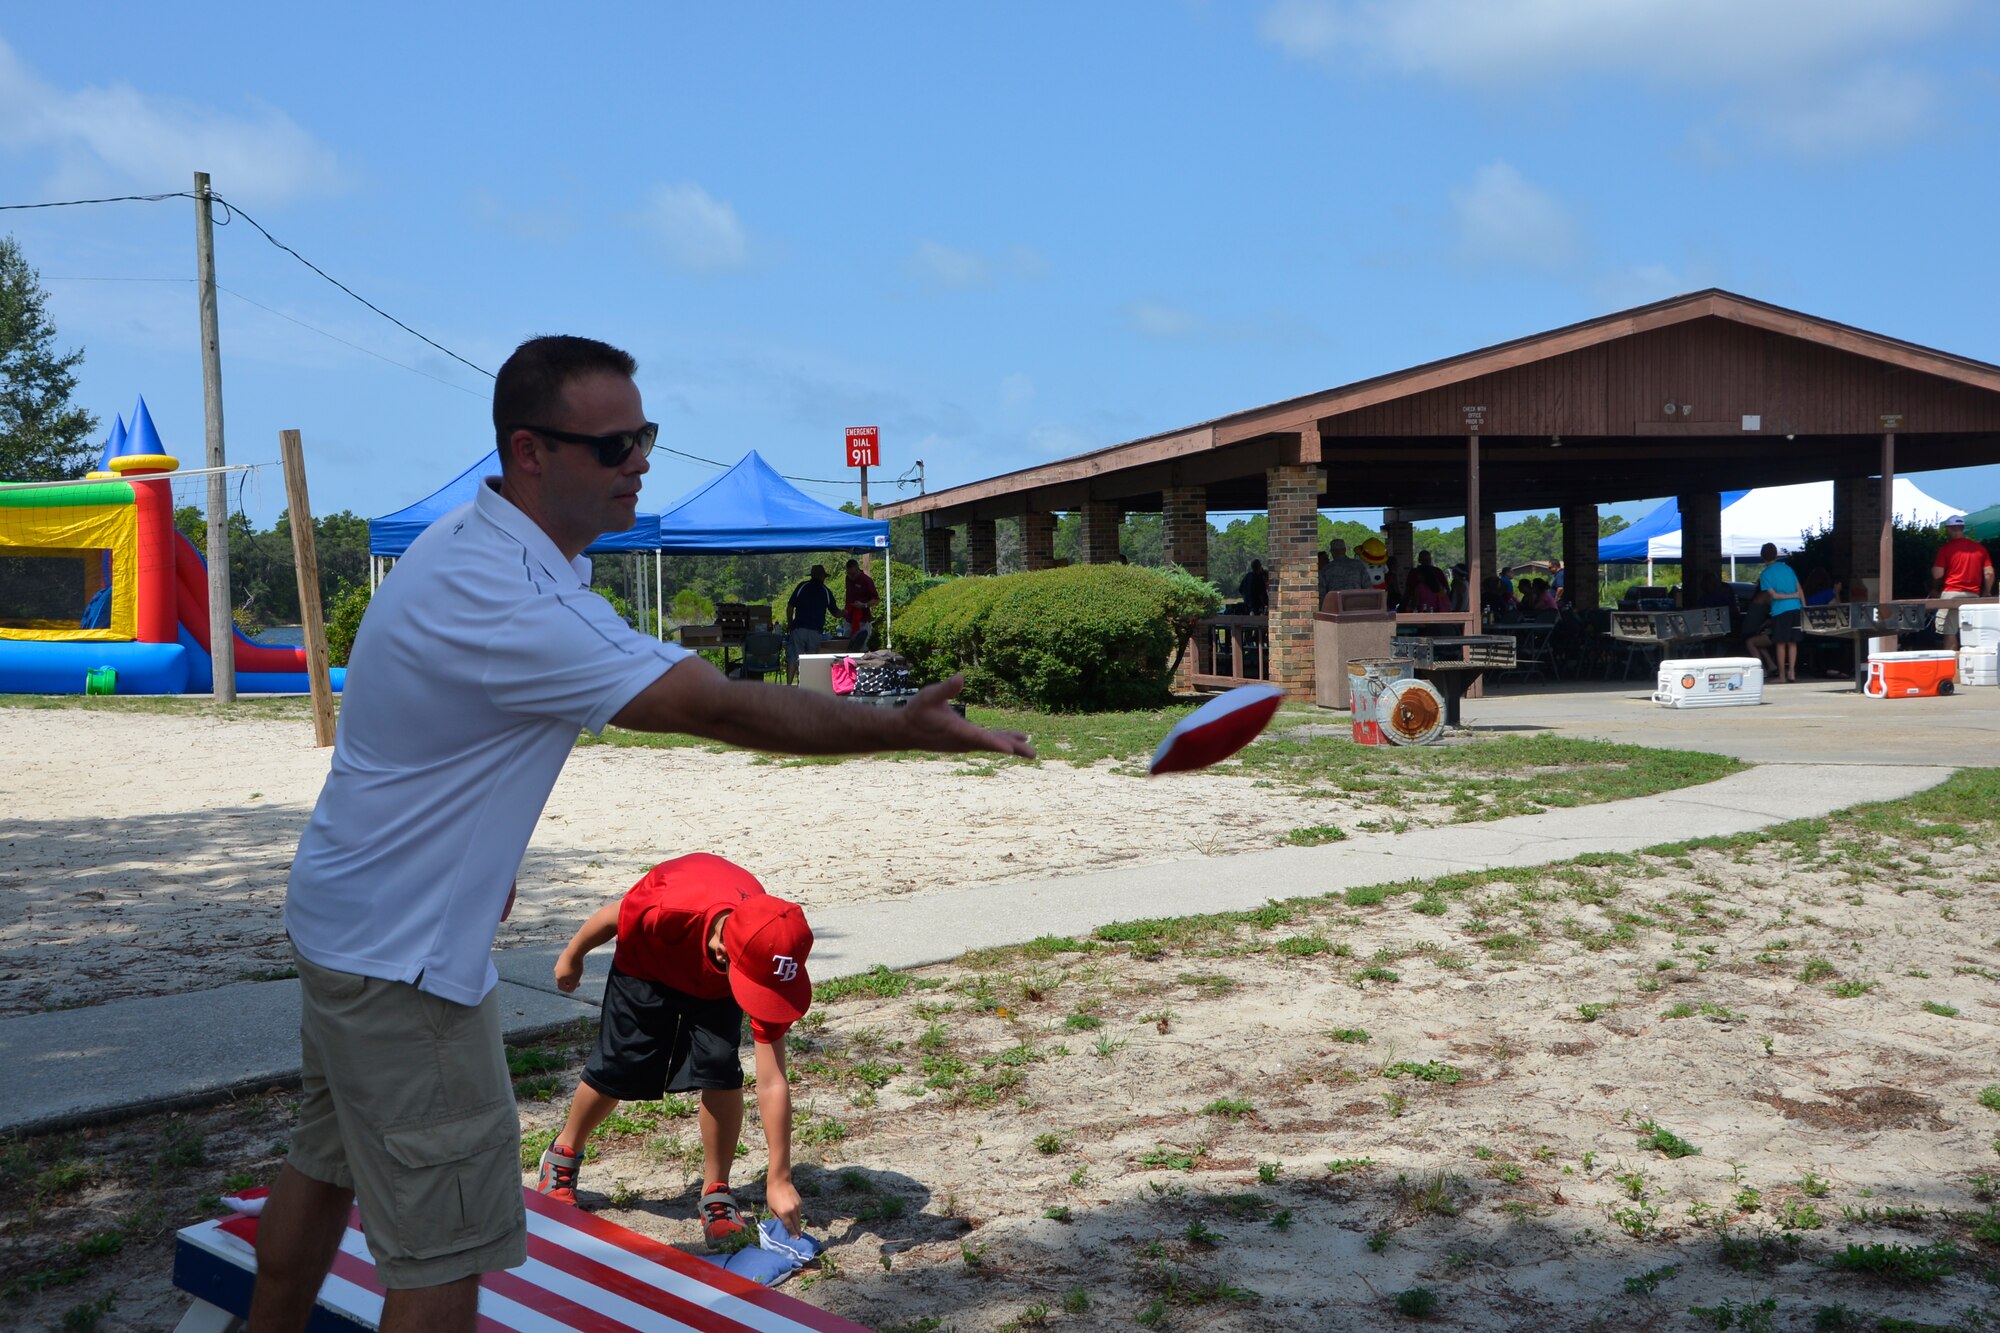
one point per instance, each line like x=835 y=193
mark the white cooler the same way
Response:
x=1978 y=666
x=1979 y=627
x=1710 y=682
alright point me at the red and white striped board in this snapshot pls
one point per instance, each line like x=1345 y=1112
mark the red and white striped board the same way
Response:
x=582 y=1274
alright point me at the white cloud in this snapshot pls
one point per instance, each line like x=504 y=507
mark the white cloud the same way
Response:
x=1016 y=389
x=1156 y=320
x=1802 y=71
x=938 y=265
x=119 y=134
x=1502 y=216
x=700 y=232
x=943 y=266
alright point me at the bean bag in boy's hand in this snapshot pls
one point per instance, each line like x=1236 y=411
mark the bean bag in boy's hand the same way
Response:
x=1217 y=729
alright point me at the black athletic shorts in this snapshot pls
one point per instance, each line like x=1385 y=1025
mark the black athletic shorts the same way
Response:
x=1788 y=628
x=653 y=1039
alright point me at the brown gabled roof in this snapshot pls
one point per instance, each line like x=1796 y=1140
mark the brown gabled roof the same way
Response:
x=1293 y=414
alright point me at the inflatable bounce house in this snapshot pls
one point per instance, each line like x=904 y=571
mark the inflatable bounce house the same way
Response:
x=100 y=594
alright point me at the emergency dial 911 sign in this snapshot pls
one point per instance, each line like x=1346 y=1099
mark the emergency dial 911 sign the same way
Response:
x=864 y=446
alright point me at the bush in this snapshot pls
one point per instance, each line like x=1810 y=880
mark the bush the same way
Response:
x=1086 y=637
x=343 y=622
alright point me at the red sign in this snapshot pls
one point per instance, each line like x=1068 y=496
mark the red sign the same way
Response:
x=864 y=446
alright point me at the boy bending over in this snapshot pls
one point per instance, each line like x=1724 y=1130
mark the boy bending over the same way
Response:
x=700 y=944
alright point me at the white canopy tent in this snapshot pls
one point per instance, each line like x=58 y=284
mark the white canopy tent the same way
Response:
x=1782 y=515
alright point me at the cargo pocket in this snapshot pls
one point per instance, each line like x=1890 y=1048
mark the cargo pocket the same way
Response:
x=456 y=1186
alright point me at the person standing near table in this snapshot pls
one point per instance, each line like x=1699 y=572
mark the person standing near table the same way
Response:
x=1342 y=572
x=1961 y=569
x=1778 y=587
x=807 y=610
x=474 y=669
x=861 y=597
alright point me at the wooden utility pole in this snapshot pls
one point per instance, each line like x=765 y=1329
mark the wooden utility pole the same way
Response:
x=221 y=625
x=305 y=556
x=1886 y=551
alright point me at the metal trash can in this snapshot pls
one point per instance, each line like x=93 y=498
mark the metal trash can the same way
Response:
x=1352 y=624
x=1368 y=681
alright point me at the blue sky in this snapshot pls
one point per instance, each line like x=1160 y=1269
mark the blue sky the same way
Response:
x=1004 y=234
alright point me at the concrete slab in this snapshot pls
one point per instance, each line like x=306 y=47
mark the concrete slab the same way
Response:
x=1819 y=722
x=80 y=1066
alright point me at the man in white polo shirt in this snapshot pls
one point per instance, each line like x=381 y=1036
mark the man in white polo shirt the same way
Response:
x=476 y=666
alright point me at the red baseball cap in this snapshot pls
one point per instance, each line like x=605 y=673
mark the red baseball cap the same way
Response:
x=767 y=940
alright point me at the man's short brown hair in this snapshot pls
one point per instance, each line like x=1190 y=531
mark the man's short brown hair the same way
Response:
x=528 y=391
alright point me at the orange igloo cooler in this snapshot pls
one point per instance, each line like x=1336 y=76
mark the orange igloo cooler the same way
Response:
x=1910 y=675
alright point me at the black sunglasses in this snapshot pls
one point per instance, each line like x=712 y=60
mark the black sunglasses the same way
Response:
x=612 y=450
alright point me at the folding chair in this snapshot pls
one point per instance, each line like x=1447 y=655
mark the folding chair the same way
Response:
x=763 y=655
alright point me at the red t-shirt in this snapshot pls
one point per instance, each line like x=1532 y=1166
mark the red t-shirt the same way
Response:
x=1964 y=562
x=664 y=922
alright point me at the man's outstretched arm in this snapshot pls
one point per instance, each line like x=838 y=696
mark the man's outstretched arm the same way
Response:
x=694 y=698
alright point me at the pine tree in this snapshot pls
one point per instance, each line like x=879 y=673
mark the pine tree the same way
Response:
x=42 y=436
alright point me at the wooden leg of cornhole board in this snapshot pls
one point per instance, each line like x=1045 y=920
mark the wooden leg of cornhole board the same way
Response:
x=205 y=1318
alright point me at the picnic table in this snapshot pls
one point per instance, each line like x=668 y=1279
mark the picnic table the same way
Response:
x=582 y=1273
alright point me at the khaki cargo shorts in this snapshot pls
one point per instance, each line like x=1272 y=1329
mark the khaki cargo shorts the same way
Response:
x=1948 y=615
x=408 y=1102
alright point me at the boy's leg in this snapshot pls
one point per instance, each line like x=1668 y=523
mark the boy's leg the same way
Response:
x=721 y=1127
x=587 y=1110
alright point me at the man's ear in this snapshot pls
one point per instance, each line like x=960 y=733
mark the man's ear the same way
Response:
x=524 y=453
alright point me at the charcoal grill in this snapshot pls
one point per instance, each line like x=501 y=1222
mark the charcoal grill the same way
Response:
x=1452 y=662
x=1856 y=621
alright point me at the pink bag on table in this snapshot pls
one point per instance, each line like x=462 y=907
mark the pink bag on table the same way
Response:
x=843 y=676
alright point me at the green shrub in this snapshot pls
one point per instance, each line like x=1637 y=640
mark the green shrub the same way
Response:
x=1085 y=637
x=343 y=622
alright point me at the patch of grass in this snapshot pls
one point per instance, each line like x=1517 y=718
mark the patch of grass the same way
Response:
x=1941 y=1010
x=1049 y=1144
x=1351 y=1036
x=1168 y=1158
x=878 y=982
x=1813 y=1185
x=1231 y=1108
x=1341 y=1166
x=1590 y=1013
x=1901 y=1264
x=1430 y=1071
x=1417 y=1303
x=1989 y=1096
x=1758 y=1318
x=1378 y=974
x=1646 y=1283
x=1665 y=1141
x=1267 y=1172
x=1303 y=946
x=1315 y=835
x=1816 y=969
x=1850 y=990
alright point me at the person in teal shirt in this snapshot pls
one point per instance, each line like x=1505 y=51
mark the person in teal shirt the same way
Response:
x=1778 y=587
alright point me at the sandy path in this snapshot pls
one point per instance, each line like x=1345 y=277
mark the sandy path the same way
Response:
x=143 y=854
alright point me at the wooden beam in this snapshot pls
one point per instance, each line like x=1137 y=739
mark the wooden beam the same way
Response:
x=305 y=558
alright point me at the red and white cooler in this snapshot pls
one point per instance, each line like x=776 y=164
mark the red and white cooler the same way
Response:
x=1927 y=672
x=1710 y=682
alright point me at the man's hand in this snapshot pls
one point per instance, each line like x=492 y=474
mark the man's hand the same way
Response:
x=569 y=971
x=935 y=726
x=782 y=1199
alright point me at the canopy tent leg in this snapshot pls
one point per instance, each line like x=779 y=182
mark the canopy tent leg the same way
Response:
x=888 y=598
x=659 y=600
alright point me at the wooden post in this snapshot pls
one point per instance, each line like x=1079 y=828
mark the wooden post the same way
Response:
x=305 y=556
x=1885 y=573
x=221 y=624
x=1474 y=584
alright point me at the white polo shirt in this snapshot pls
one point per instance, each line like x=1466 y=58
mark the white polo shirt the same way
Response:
x=480 y=659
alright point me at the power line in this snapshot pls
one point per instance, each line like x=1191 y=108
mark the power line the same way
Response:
x=113 y=199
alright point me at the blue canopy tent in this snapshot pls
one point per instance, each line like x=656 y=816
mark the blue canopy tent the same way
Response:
x=1630 y=544
x=391 y=535
x=751 y=509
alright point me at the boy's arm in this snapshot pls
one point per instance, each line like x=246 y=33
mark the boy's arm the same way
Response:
x=602 y=926
x=774 y=1109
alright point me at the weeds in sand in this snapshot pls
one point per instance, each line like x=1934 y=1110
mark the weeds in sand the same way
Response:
x=1758 y=1318
x=1813 y=1185
x=1314 y=835
x=1636 y=1220
x=1303 y=946
x=1431 y=1196
x=1199 y=1233
x=1173 y=1159
x=1058 y=1213
x=1082 y=1022
x=1634 y=1183
x=1907 y=1216
x=1941 y=1010
x=1899 y=1263
x=1341 y=1166
x=1106 y=1046
x=1989 y=1097
x=1707 y=1009
x=1076 y=1300
x=1431 y=1071
x=1590 y=1013
x=1508 y=1173
x=1850 y=990
x=1229 y=1108
x=1050 y=1143
x=1748 y=1200
x=1417 y=1303
x=1646 y=1283
x=1665 y=1141
x=1381 y=974
x=1351 y=1036
x=1398 y=1102
x=878 y=982
x=1267 y=1172
x=1797 y=1215
x=1816 y=969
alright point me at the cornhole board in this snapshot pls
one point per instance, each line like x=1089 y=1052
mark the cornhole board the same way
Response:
x=582 y=1273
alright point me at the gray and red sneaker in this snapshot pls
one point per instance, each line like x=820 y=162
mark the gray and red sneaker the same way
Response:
x=558 y=1178
x=721 y=1220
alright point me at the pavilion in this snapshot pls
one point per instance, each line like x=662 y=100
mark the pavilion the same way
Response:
x=1688 y=397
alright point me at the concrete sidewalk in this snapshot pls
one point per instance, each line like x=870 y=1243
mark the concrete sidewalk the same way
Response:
x=77 y=1066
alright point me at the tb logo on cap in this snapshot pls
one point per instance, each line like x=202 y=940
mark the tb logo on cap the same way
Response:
x=783 y=967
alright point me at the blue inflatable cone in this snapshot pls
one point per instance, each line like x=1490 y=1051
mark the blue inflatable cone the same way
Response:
x=143 y=438
x=114 y=444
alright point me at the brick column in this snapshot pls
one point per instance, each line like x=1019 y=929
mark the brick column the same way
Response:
x=1857 y=532
x=1097 y=543
x=1701 y=541
x=982 y=547
x=1401 y=539
x=1292 y=504
x=1038 y=541
x=937 y=550
x=1580 y=580
x=1184 y=520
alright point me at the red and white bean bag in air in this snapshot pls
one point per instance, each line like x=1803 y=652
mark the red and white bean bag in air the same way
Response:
x=1217 y=729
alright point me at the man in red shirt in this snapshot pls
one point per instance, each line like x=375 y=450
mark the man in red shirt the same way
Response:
x=1962 y=569
x=700 y=944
